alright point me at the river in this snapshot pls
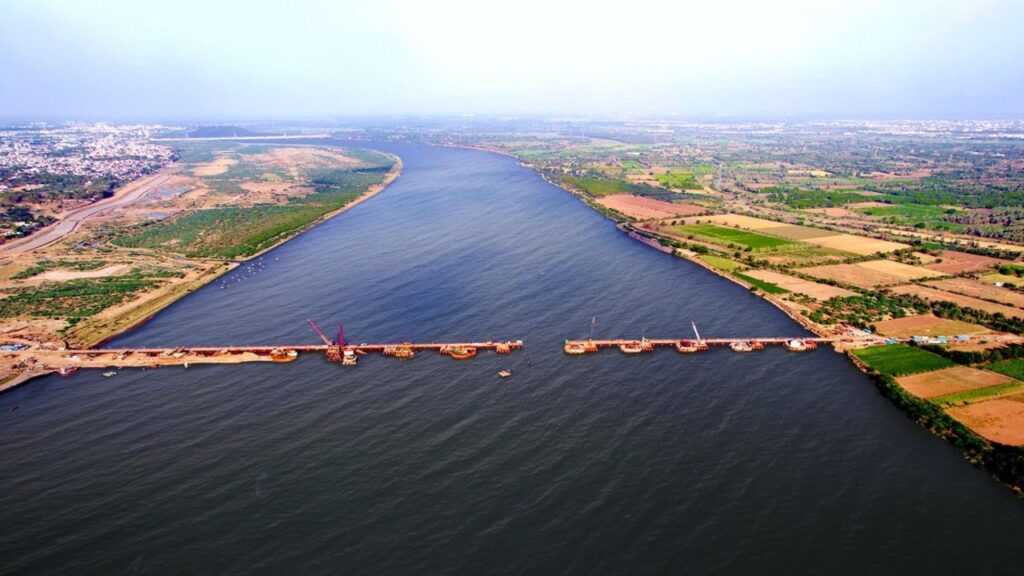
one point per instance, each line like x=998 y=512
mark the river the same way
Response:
x=715 y=462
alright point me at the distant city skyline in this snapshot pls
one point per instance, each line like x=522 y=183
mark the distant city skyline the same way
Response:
x=192 y=60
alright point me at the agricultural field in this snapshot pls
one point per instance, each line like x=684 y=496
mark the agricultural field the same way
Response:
x=680 y=180
x=275 y=192
x=720 y=263
x=977 y=289
x=917 y=215
x=1013 y=368
x=935 y=295
x=767 y=287
x=859 y=245
x=954 y=262
x=999 y=420
x=926 y=325
x=905 y=272
x=814 y=290
x=899 y=359
x=952 y=380
x=640 y=207
x=794 y=232
x=598 y=187
x=723 y=235
x=854 y=275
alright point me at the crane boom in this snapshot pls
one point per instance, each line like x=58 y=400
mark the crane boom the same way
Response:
x=694 y=324
x=341 y=335
x=319 y=332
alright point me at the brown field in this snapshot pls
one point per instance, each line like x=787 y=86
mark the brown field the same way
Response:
x=971 y=287
x=899 y=269
x=834 y=212
x=999 y=420
x=63 y=275
x=871 y=274
x=748 y=222
x=794 y=232
x=853 y=275
x=954 y=262
x=640 y=207
x=856 y=244
x=949 y=381
x=813 y=289
x=934 y=295
x=926 y=325
x=214 y=167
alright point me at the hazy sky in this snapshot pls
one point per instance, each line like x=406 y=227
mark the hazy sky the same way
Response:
x=252 y=58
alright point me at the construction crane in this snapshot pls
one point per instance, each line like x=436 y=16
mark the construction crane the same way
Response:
x=694 y=324
x=334 y=349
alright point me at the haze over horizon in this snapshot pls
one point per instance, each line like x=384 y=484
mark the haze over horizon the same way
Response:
x=120 y=60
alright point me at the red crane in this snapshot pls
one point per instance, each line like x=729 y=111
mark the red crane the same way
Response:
x=334 y=349
x=319 y=332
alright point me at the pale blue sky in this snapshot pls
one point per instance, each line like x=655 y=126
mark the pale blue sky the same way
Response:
x=122 y=59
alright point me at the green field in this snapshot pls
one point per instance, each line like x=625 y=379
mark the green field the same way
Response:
x=75 y=300
x=678 y=180
x=724 y=235
x=233 y=232
x=720 y=263
x=919 y=215
x=900 y=359
x=601 y=187
x=971 y=396
x=767 y=287
x=1012 y=368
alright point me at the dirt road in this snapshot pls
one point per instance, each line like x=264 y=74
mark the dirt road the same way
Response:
x=131 y=193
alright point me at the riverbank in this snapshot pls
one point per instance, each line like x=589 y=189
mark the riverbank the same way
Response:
x=95 y=330
x=1004 y=462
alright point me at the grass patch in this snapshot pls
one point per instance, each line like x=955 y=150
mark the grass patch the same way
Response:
x=678 y=180
x=1012 y=368
x=767 y=287
x=900 y=359
x=723 y=235
x=601 y=187
x=972 y=396
x=76 y=300
x=720 y=263
x=234 y=232
x=46 y=265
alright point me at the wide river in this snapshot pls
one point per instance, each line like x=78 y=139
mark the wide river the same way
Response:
x=719 y=462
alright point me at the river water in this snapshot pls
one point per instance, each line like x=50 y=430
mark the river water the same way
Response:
x=717 y=462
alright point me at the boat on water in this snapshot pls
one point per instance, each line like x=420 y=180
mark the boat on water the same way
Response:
x=576 y=348
x=797 y=345
x=505 y=373
x=404 y=350
x=459 y=352
x=348 y=358
x=110 y=373
x=282 y=355
x=746 y=346
x=67 y=371
x=636 y=346
x=690 y=346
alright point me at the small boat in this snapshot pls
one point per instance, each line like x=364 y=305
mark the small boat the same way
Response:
x=505 y=373
x=748 y=346
x=797 y=345
x=110 y=373
x=404 y=350
x=576 y=348
x=636 y=346
x=185 y=364
x=67 y=371
x=461 y=352
x=281 y=355
x=690 y=346
x=348 y=358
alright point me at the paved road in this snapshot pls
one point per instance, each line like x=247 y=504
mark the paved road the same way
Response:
x=70 y=221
